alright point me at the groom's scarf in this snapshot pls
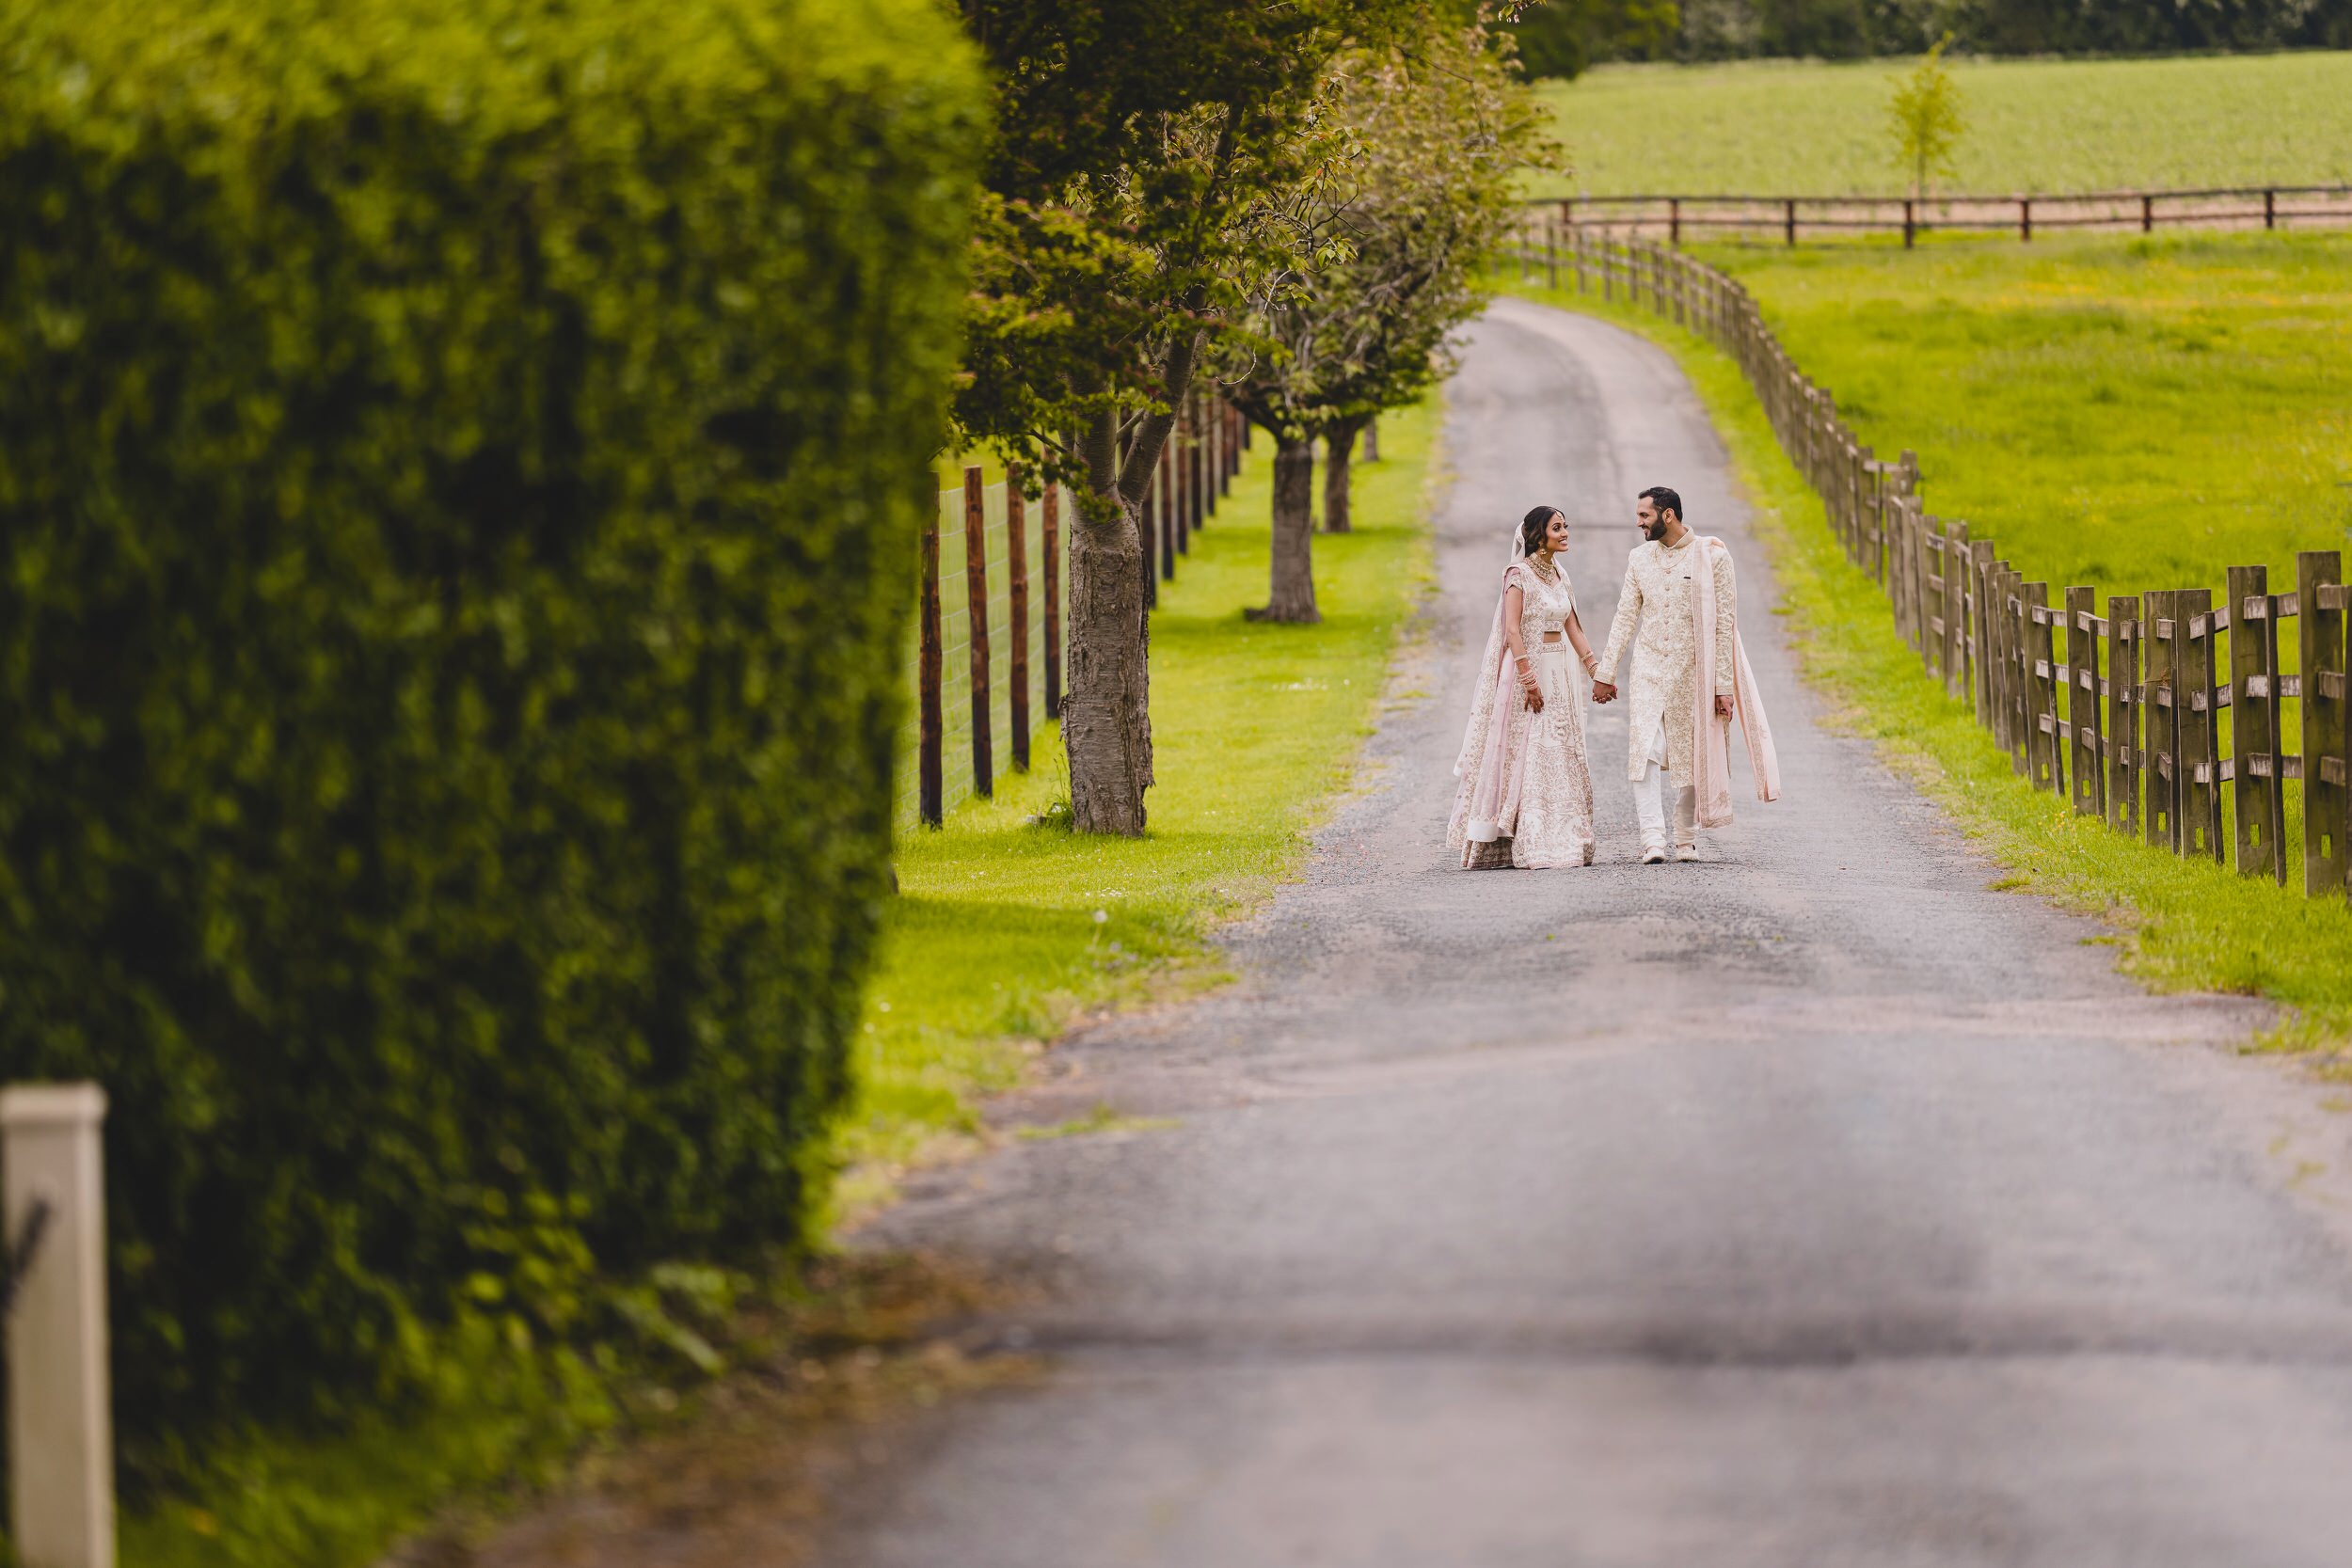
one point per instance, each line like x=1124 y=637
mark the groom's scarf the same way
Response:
x=1710 y=760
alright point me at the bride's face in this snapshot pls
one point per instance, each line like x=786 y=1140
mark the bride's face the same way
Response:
x=1556 y=533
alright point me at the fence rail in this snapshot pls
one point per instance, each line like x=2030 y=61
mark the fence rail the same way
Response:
x=2139 y=716
x=993 y=566
x=1785 y=217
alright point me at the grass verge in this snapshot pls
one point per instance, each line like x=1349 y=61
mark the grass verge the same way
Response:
x=2182 y=925
x=1005 y=929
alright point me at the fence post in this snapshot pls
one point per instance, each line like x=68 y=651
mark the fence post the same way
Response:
x=1674 y=221
x=2324 y=816
x=2017 y=702
x=1934 y=625
x=2198 y=760
x=1981 y=644
x=1956 y=559
x=1051 y=523
x=2270 y=208
x=2160 y=720
x=2125 y=758
x=976 y=599
x=2260 y=797
x=930 y=725
x=1017 y=573
x=1551 y=253
x=2025 y=217
x=2089 y=773
x=1788 y=219
x=2147 y=214
x=1911 y=227
x=61 y=1489
x=2043 y=767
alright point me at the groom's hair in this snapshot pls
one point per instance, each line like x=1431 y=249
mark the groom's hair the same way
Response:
x=1667 y=500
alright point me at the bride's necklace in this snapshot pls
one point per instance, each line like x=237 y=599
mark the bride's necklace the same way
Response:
x=1544 y=568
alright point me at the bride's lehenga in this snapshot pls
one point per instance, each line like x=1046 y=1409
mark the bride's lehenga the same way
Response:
x=1526 y=794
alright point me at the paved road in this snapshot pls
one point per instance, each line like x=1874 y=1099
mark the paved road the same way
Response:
x=1812 y=1206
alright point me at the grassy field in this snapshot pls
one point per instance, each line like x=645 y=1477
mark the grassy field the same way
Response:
x=2183 y=924
x=1811 y=128
x=2130 y=413
x=1004 y=930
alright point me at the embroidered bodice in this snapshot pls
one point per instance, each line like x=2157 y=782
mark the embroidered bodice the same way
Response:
x=1545 y=605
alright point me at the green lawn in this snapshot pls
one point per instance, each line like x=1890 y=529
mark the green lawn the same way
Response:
x=2184 y=924
x=2125 y=412
x=1004 y=930
x=1811 y=128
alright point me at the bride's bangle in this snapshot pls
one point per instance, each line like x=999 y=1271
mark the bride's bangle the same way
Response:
x=1592 y=664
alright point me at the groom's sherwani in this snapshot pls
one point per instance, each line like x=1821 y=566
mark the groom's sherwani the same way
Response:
x=1656 y=592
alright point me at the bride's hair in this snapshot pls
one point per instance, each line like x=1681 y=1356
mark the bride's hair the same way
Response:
x=1534 y=526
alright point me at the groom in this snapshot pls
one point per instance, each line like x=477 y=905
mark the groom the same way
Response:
x=1682 y=591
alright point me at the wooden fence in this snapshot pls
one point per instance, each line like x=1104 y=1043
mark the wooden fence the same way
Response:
x=1785 y=217
x=985 y=678
x=2180 y=715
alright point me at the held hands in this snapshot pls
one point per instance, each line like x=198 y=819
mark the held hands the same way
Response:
x=1604 y=691
x=1723 y=707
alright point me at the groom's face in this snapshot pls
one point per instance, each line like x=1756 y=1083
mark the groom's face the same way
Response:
x=1653 y=521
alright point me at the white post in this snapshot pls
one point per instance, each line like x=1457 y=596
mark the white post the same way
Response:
x=61 y=1494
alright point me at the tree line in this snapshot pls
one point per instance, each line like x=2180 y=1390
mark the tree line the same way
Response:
x=1288 y=201
x=1562 y=38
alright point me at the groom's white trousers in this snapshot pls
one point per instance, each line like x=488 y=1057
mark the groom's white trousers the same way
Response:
x=1649 y=799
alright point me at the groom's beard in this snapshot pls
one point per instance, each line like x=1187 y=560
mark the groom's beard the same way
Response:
x=1654 y=531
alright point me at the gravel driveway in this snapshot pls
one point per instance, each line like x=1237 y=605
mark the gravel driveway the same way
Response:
x=1814 y=1205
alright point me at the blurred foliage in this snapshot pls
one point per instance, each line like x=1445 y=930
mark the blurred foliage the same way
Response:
x=1561 y=38
x=1144 y=191
x=1438 y=130
x=1565 y=38
x=461 y=462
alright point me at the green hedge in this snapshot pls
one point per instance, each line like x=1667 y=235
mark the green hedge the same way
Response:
x=459 y=462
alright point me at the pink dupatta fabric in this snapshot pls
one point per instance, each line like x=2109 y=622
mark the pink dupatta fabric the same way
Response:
x=1711 y=761
x=1478 y=802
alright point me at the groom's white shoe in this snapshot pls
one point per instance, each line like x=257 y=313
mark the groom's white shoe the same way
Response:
x=1653 y=854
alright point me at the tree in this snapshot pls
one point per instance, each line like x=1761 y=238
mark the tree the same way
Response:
x=1137 y=200
x=1925 y=117
x=1563 y=38
x=1437 y=128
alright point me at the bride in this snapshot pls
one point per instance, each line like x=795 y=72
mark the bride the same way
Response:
x=1526 y=796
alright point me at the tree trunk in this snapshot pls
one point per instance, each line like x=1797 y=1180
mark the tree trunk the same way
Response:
x=1107 y=711
x=1338 y=446
x=1372 y=439
x=1294 y=590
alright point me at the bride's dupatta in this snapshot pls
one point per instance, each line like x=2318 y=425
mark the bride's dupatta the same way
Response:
x=1478 y=801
